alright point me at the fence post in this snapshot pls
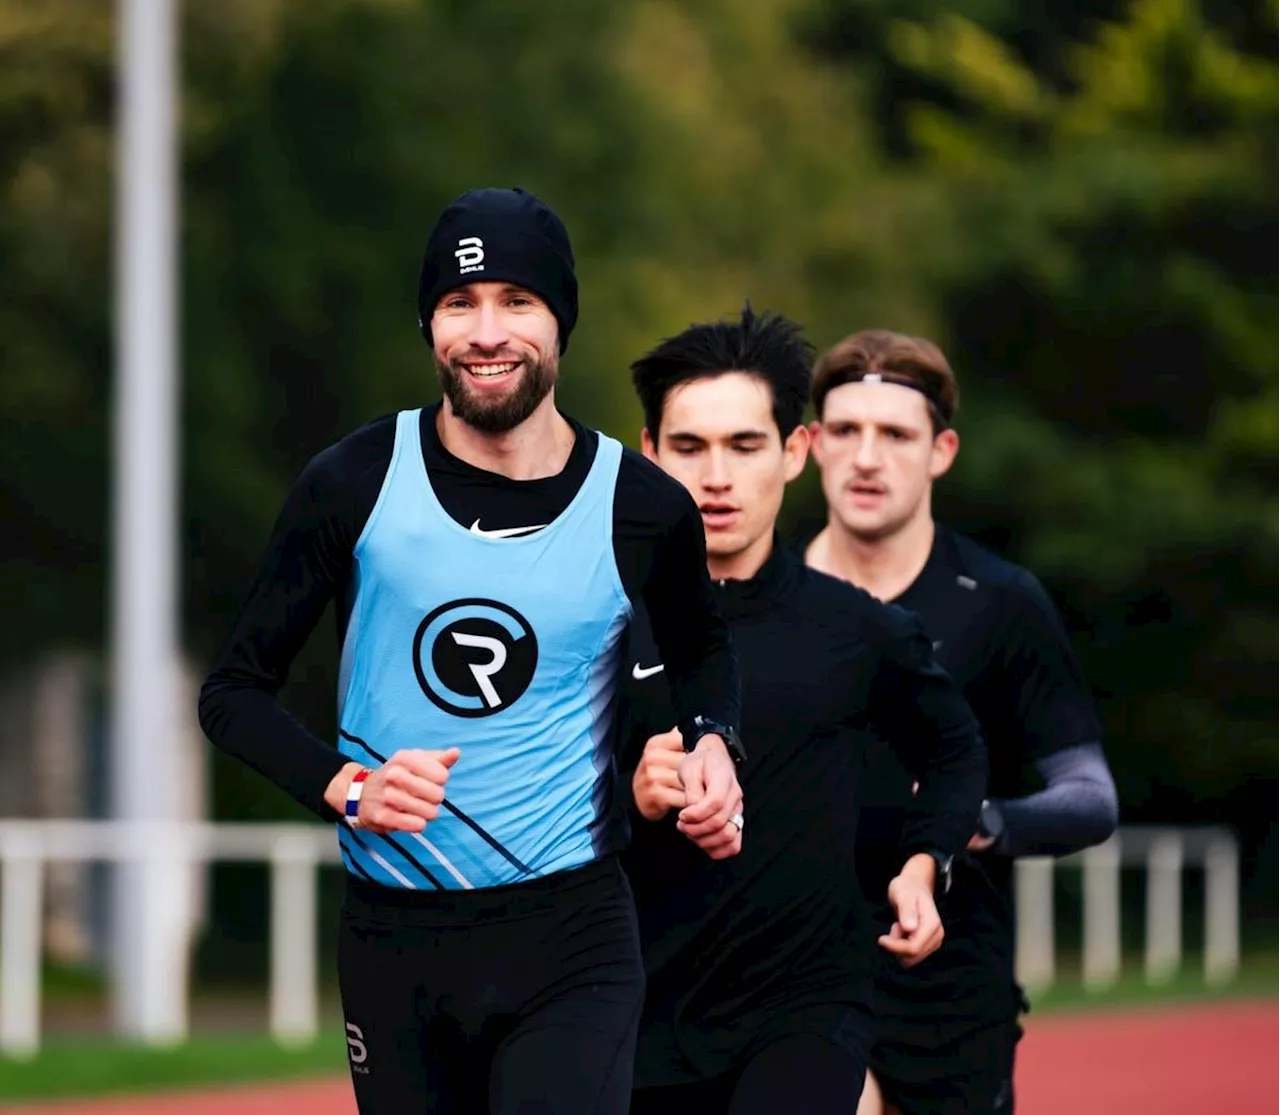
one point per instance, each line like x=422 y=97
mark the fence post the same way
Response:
x=1101 y=868
x=160 y=852
x=21 y=896
x=1033 y=896
x=1164 y=907
x=1221 y=910
x=293 y=939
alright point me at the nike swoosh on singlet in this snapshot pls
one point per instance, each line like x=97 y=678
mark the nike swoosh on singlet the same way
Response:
x=505 y=532
x=641 y=672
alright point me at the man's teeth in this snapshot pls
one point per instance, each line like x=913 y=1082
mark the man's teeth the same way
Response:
x=490 y=369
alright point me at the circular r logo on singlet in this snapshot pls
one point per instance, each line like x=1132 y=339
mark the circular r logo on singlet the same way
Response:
x=474 y=657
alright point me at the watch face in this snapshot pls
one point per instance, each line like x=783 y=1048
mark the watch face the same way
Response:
x=990 y=823
x=732 y=740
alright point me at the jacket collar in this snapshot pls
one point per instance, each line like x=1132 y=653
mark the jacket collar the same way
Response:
x=738 y=598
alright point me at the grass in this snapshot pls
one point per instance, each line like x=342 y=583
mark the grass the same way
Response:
x=91 y=1066
x=98 y=1067
x=1257 y=978
x=61 y=980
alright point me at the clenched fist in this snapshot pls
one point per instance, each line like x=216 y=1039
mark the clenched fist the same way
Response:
x=656 y=782
x=402 y=795
x=703 y=785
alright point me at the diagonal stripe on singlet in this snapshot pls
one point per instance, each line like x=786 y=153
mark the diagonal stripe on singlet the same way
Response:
x=480 y=832
x=382 y=862
x=511 y=859
x=353 y=864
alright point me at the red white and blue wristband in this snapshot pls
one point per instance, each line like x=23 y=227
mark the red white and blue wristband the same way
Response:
x=354 y=791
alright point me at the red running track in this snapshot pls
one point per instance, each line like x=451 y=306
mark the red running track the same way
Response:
x=1210 y=1060
x=1177 y=1061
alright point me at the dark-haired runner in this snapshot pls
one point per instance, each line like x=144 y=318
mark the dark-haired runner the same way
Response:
x=759 y=966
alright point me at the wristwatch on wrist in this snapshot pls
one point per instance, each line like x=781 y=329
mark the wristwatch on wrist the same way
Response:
x=990 y=821
x=942 y=876
x=704 y=726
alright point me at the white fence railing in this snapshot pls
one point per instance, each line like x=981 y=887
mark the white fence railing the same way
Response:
x=294 y=852
x=1163 y=853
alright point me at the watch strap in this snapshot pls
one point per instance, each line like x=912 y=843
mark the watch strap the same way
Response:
x=705 y=726
x=942 y=874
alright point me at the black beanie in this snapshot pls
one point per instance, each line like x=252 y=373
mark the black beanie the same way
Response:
x=493 y=235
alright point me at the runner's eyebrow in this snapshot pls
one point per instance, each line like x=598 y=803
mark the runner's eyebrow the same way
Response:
x=686 y=436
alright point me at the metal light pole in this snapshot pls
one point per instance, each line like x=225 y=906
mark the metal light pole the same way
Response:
x=148 y=926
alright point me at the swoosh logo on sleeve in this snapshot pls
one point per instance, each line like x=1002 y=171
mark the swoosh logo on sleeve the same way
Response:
x=641 y=672
x=505 y=532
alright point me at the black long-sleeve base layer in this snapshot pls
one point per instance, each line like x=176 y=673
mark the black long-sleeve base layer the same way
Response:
x=657 y=541
x=995 y=630
x=734 y=948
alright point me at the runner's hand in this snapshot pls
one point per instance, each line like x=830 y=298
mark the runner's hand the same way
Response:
x=980 y=843
x=656 y=783
x=710 y=782
x=402 y=795
x=917 y=931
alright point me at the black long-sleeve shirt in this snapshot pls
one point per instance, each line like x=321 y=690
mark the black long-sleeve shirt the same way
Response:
x=658 y=545
x=996 y=631
x=731 y=945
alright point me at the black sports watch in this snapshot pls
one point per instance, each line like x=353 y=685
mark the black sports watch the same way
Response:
x=704 y=726
x=990 y=821
x=942 y=876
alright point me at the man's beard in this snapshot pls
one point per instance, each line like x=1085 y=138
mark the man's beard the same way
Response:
x=498 y=416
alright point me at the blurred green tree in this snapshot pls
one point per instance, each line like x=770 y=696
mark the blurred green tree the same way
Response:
x=1108 y=278
x=55 y=160
x=1078 y=202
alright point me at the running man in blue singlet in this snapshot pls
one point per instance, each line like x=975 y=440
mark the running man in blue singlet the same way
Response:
x=485 y=556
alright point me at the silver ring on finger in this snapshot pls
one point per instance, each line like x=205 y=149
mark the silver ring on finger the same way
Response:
x=736 y=821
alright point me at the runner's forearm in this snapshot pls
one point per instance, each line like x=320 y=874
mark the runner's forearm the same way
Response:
x=1077 y=808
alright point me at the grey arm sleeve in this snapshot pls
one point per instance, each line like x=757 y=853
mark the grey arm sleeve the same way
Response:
x=1078 y=806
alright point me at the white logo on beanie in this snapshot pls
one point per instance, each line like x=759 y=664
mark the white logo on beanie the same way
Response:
x=470 y=254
